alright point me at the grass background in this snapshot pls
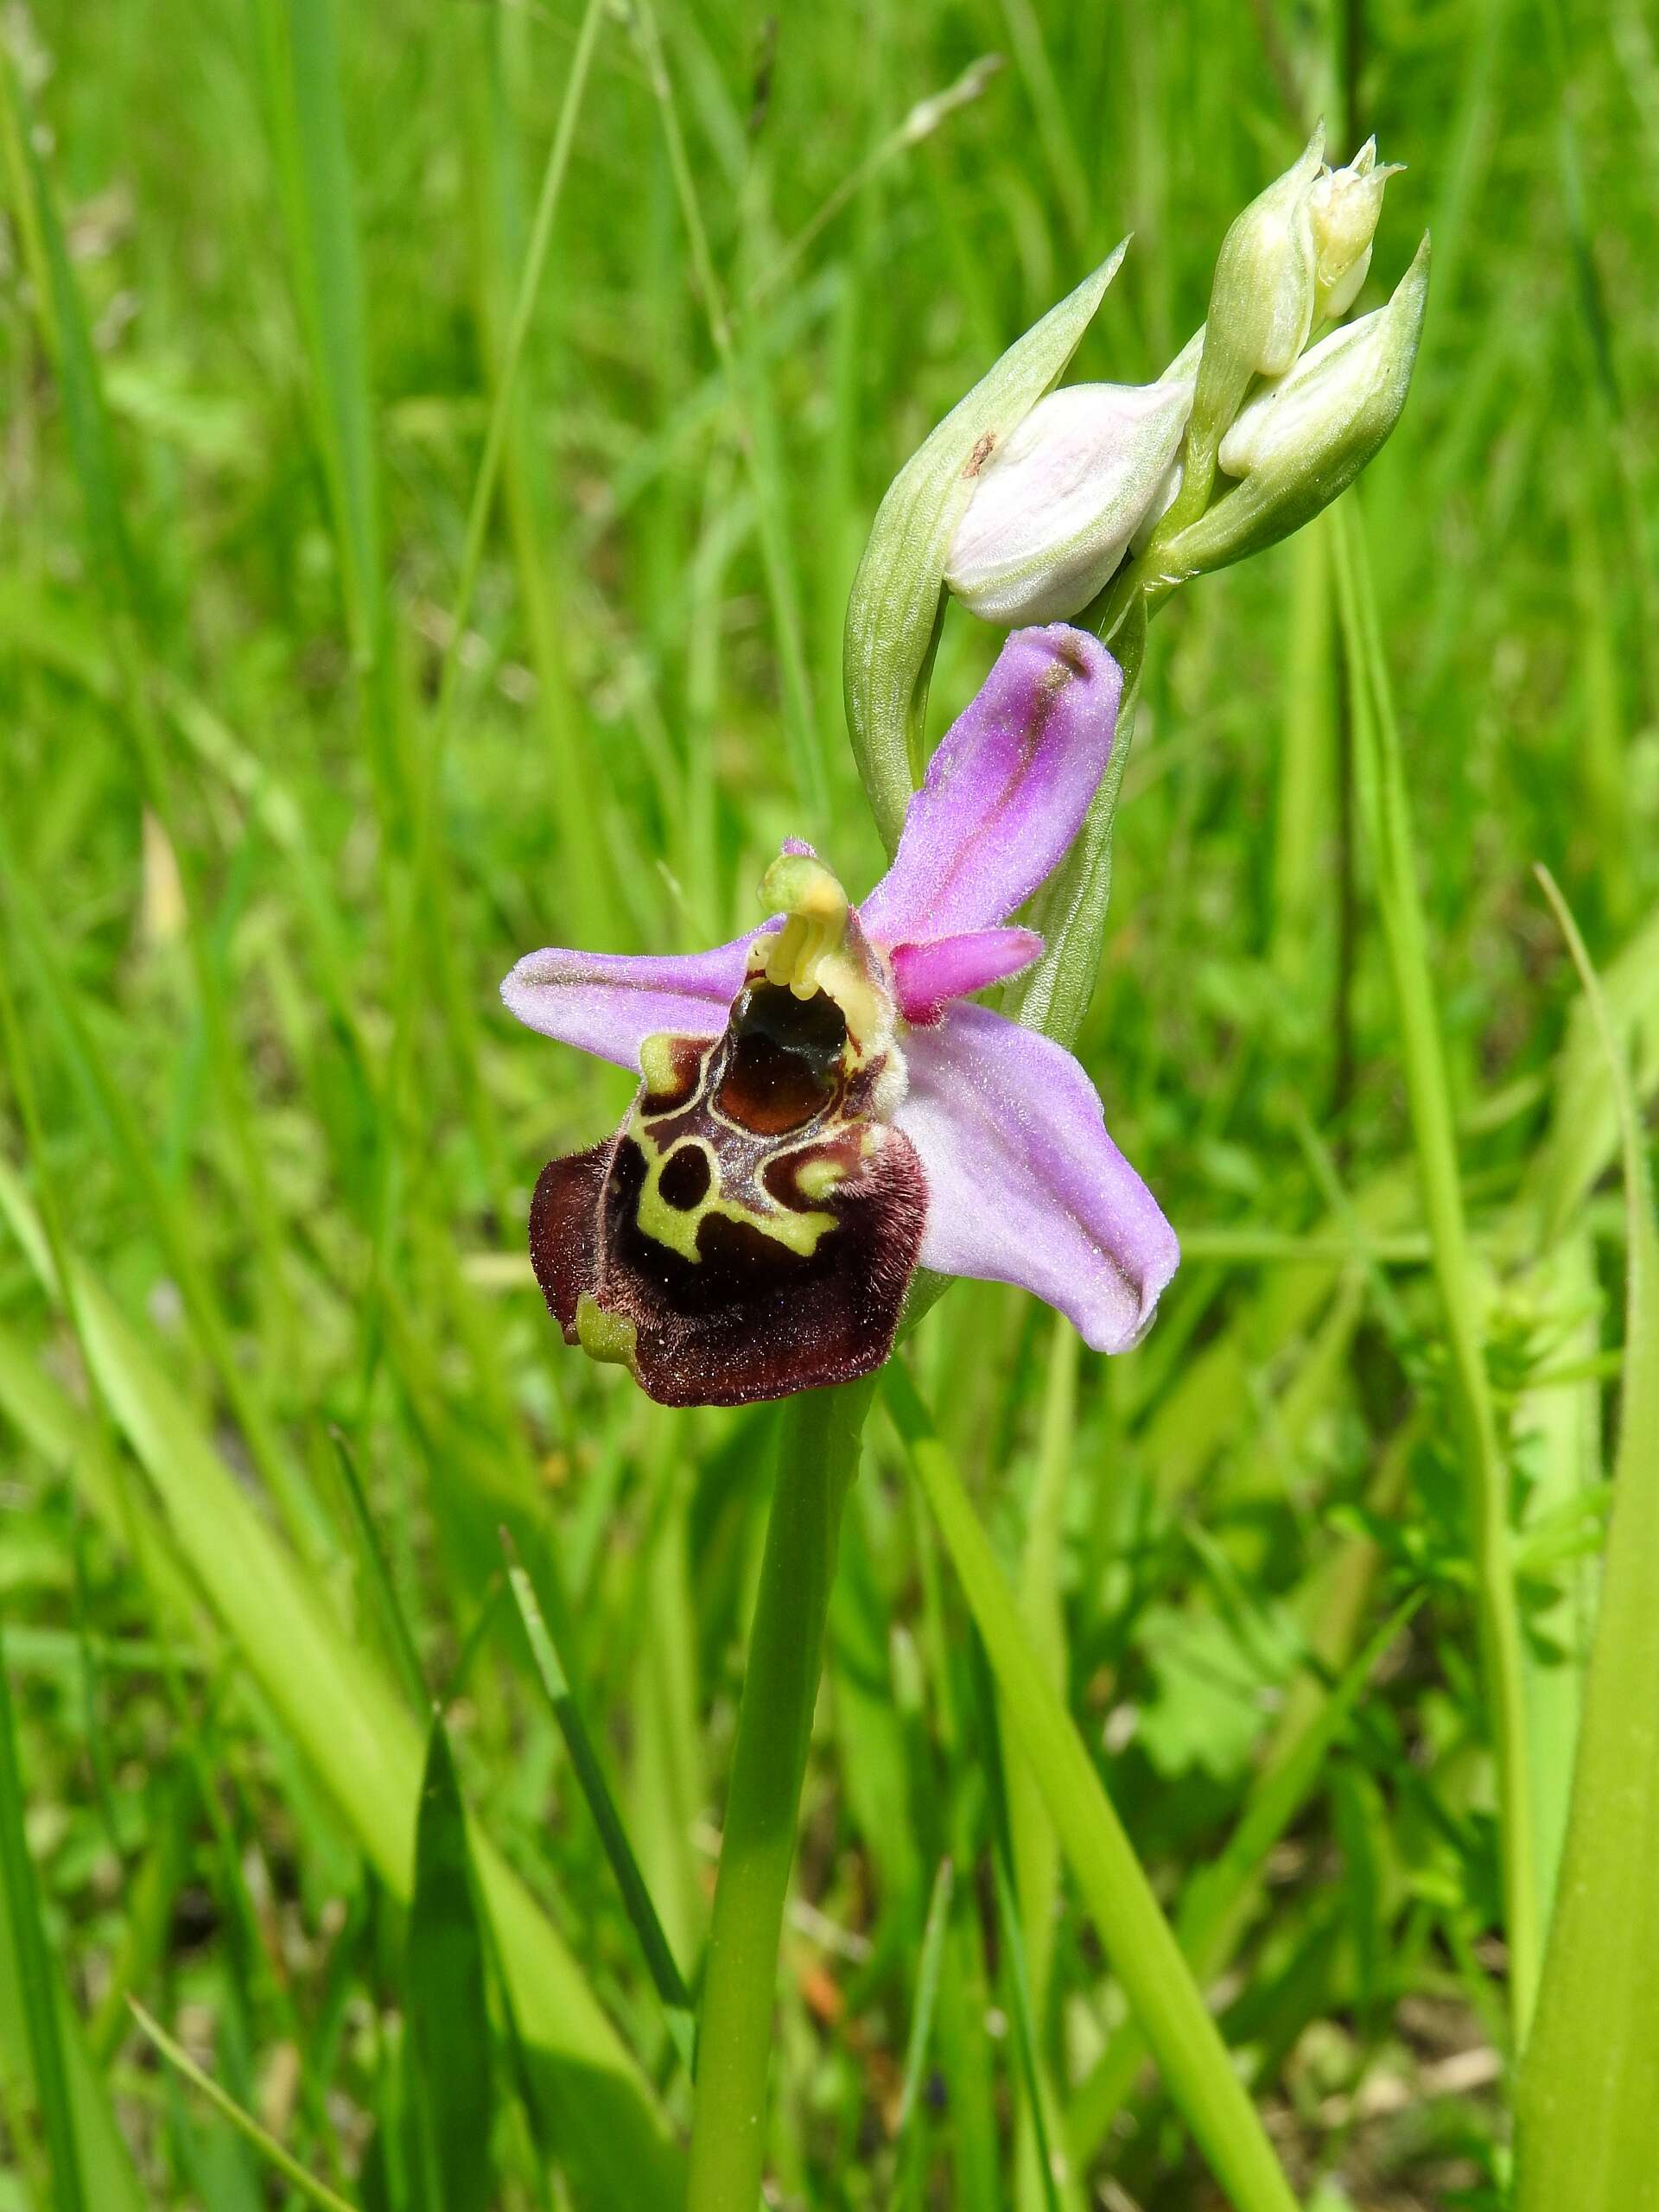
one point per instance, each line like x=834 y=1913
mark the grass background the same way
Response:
x=273 y=829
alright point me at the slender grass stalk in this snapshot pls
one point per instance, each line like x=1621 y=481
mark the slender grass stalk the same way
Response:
x=1156 y=1979
x=314 y=2191
x=929 y=1963
x=1385 y=812
x=817 y=1458
x=660 y=1961
x=1216 y=1903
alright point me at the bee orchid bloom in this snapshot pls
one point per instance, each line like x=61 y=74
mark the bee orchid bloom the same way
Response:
x=823 y=1109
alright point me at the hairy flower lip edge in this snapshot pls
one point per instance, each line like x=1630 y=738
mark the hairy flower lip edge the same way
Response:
x=1007 y=1127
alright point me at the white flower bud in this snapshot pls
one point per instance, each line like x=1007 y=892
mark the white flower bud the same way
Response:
x=1306 y=438
x=1056 y=505
x=1343 y=206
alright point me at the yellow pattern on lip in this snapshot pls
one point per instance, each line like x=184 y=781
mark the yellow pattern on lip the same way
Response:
x=676 y=1228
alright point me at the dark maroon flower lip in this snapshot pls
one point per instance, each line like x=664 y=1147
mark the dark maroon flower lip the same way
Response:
x=822 y=1110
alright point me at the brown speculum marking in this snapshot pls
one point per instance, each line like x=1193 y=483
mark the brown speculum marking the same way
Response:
x=752 y=1229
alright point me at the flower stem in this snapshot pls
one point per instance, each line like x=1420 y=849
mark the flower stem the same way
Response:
x=817 y=1457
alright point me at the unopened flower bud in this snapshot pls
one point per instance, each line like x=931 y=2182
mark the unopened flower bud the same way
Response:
x=1306 y=438
x=1343 y=206
x=1056 y=506
x=1261 y=306
x=1262 y=294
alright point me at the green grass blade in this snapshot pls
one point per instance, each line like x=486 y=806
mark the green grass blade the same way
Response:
x=36 y=1978
x=444 y=1990
x=1156 y=1979
x=314 y=2191
x=1034 y=2150
x=399 y=1636
x=1585 y=2111
x=929 y=1964
x=1385 y=813
x=660 y=1962
x=86 y=419
x=173 y=1220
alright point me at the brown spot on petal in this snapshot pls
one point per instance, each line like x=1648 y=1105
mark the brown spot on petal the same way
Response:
x=685 y=1178
x=982 y=453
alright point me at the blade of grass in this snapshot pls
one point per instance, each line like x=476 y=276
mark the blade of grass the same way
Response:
x=1385 y=813
x=36 y=1979
x=1156 y=1979
x=310 y=2187
x=1034 y=2150
x=172 y=1219
x=300 y=71
x=500 y=235
x=444 y=1990
x=426 y=901
x=379 y=1567
x=928 y=1964
x=660 y=1963
x=1585 y=2111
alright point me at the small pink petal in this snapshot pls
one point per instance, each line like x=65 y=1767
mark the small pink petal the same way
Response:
x=926 y=977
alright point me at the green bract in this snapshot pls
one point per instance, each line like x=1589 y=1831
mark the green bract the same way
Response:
x=898 y=597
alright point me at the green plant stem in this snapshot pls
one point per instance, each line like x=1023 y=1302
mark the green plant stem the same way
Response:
x=1385 y=815
x=817 y=1456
